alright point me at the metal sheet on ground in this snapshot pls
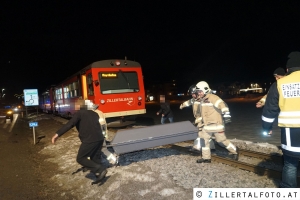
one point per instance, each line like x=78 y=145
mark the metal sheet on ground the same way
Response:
x=130 y=140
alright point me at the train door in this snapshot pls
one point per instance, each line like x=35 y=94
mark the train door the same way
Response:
x=84 y=87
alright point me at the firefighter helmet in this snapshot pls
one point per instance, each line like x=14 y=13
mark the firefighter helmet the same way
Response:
x=192 y=89
x=202 y=85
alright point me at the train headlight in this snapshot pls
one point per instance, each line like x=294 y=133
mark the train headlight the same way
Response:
x=16 y=109
x=102 y=101
x=140 y=98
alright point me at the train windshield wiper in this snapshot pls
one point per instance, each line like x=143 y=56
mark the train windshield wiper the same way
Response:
x=120 y=71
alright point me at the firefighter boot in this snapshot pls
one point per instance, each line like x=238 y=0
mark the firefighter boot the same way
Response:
x=236 y=156
x=201 y=160
x=205 y=155
x=233 y=151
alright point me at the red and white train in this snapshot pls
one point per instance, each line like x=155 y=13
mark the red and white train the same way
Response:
x=116 y=85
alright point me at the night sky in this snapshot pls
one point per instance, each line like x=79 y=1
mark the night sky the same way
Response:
x=43 y=42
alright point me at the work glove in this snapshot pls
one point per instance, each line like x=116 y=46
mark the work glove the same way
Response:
x=198 y=120
x=227 y=117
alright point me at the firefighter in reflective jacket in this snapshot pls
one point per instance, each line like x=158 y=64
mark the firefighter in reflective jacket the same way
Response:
x=197 y=114
x=212 y=122
x=283 y=100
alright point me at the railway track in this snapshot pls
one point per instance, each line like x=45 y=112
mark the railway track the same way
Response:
x=262 y=171
x=268 y=163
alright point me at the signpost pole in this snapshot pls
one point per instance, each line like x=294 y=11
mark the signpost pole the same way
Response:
x=26 y=112
x=33 y=125
x=33 y=135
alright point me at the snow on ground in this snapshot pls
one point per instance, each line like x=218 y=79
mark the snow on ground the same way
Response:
x=155 y=173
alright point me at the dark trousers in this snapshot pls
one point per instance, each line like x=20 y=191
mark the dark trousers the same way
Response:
x=289 y=172
x=87 y=156
x=290 y=141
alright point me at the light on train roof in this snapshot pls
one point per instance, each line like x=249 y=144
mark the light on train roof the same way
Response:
x=118 y=62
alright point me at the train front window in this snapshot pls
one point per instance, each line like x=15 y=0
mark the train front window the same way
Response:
x=118 y=82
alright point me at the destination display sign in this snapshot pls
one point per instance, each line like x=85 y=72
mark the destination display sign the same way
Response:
x=109 y=75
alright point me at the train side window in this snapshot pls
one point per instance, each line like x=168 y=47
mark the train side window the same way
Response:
x=58 y=93
x=71 y=93
x=66 y=92
x=89 y=83
x=75 y=86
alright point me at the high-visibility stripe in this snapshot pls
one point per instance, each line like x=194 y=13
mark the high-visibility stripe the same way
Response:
x=270 y=120
x=224 y=110
x=186 y=103
x=218 y=102
x=288 y=136
x=289 y=148
x=289 y=114
x=289 y=120
x=217 y=127
x=207 y=104
x=288 y=142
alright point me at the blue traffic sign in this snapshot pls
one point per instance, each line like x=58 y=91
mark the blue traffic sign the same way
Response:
x=33 y=124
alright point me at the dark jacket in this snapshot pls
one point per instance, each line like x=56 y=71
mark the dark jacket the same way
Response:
x=271 y=108
x=87 y=124
x=166 y=110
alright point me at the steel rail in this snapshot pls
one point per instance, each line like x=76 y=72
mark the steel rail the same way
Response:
x=268 y=157
x=262 y=171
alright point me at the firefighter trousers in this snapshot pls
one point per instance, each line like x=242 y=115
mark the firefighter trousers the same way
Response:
x=220 y=139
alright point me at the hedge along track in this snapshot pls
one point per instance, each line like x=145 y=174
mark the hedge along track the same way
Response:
x=262 y=171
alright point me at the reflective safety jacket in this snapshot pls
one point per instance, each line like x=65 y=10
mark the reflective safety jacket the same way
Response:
x=289 y=101
x=283 y=100
x=212 y=109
